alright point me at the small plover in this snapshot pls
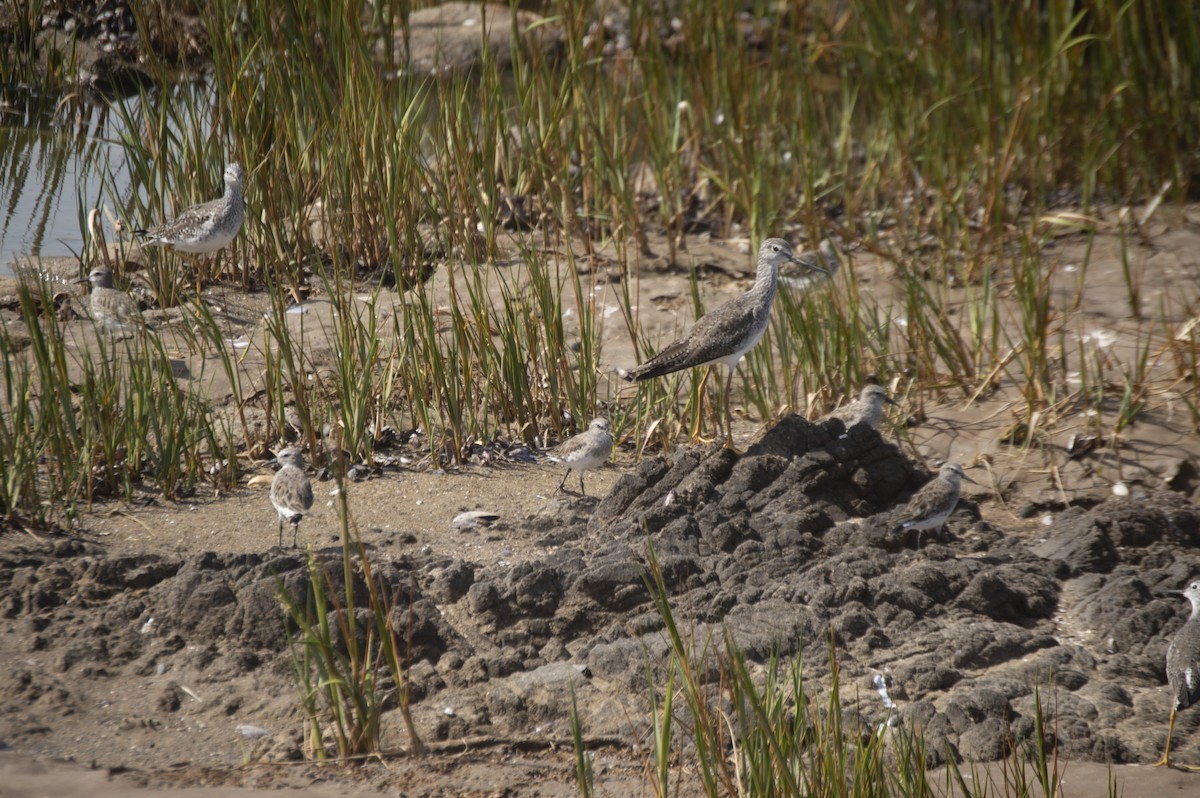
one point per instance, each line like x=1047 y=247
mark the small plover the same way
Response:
x=866 y=409
x=291 y=492
x=1183 y=668
x=587 y=450
x=728 y=331
x=112 y=309
x=934 y=502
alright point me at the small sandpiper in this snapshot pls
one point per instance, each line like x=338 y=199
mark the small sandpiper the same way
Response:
x=934 y=502
x=291 y=492
x=728 y=331
x=588 y=450
x=866 y=409
x=208 y=227
x=1183 y=668
x=112 y=309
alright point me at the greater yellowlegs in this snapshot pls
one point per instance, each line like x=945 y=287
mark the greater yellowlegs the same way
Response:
x=1183 y=668
x=205 y=228
x=587 y=450
x=934 y=502
x=112 y=309
x=291 y=492
x=727 y=332
x=866 y=409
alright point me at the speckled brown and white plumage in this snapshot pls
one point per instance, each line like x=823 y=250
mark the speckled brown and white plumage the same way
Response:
x=728 y=331
x=291 y=492
x=1183 y=655
x=207 y=227
x=866 y=409
x=1183 y=666
x=934 y=502
x=112 y=309
x=585 y=451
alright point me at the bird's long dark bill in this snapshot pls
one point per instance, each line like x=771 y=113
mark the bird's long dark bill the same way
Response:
x=808 y=265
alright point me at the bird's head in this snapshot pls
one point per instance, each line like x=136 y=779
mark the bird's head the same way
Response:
x=875 y=395
x=776 y=252
x=954 y=472
x=99 y=277
x=235 y=175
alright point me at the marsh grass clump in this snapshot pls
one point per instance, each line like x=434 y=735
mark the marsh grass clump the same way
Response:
x=950 y=145
x=740 y=124
x=720 y=725
x=346 y=676
x=87 y=415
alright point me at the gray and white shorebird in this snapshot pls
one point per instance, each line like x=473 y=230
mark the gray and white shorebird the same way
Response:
x=291 y=492
x=866 y=409
x=1183 y=668
x=205 y=228
x=934 y=502
x=728 y=331
x=588 y=450
x=111 y=308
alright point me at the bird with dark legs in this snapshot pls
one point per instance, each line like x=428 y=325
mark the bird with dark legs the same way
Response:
x=291 y=492
x=585 y=451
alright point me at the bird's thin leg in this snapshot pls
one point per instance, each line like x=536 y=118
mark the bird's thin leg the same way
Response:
x=281 y=531
x=563 y=484
x=699 y=417
x=729 y=415
x=582 y=492
x=728 y=410
x=1166 y=757
x=295 y=532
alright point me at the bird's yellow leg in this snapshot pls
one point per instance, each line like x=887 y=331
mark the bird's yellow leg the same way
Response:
x=698 y=417
x=1166 y=757
x=729 y=415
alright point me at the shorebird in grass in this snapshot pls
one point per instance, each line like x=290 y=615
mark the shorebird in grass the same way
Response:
x=112 y=309
x=291 y=492
x=1183 y=668
x=934 y=502
x=866 y=409
x=728 y=331
x=205 y=228
x=587 y=450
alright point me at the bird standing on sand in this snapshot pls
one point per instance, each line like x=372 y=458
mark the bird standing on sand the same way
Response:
x=208 y=227
x=1183 y=668
x=587 y=450
x=727 y=332
x=112 y=309
x=934 y=502
x=291 y=492
x=866 y=409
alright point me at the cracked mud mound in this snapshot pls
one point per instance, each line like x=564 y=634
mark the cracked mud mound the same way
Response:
x=146 y=658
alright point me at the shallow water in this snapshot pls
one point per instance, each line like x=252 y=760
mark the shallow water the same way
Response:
x=59 y=157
